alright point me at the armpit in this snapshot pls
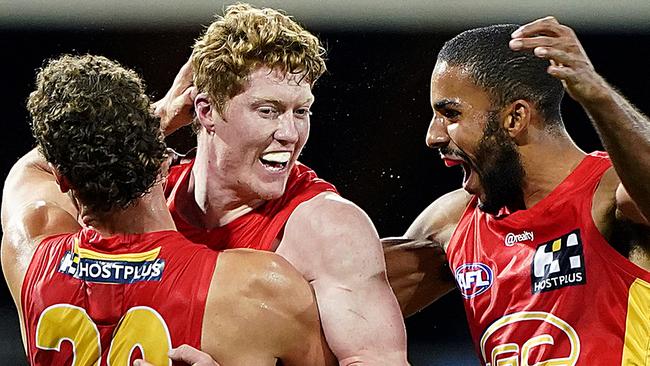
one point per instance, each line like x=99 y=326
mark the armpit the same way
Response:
x=628 y=208
x=632 y=240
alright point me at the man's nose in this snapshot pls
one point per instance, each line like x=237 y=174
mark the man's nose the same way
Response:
x=287 y=131
x=437 y=136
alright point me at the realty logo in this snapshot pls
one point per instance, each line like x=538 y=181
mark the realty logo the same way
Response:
x=512 y=238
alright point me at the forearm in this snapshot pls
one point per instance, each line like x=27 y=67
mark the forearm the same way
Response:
x=417 y=271
x=625 y=134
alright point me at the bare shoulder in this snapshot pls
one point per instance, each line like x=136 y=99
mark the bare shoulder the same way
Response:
x=261 y=303
x=265 y=276
x=29 y=181
x=328 y=234
x=612 y=203
x=26 y=225
x=22 y=232
x=438 y=221
x=330 y=214
x=620 y=221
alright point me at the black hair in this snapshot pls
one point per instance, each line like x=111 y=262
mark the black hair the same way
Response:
x=506 y=75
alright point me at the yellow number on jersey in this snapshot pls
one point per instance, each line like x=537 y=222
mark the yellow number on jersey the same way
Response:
x=67 y=322
x=141 y=327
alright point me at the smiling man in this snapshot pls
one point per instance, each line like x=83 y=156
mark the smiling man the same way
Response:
x=540 y=230
x=253 y=73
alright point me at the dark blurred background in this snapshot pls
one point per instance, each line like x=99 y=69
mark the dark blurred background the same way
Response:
x=371 y=112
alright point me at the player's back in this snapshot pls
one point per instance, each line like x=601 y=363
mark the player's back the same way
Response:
x=105 y=301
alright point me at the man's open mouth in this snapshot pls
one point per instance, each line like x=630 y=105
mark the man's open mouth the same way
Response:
x=467 y=170
x=276 y=161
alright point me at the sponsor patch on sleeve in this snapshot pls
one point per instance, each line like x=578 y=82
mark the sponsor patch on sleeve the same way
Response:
x=558 y=263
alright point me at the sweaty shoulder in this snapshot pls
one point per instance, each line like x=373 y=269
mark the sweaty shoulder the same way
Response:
x=439 y=220
x=23 y=231
x=259 y=306
x=36 y=220
x=263 y=275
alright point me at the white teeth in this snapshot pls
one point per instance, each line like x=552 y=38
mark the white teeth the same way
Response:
x=277 y=157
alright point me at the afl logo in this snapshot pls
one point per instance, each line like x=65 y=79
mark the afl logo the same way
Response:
x=473 y=279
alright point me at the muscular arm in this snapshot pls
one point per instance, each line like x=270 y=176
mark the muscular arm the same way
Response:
x=335 y=246
x=624 y=131
x=416 y=263
x=31 y=180
x=417 y=271
x=32 y=207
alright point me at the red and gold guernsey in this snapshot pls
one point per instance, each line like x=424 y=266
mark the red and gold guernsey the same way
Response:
x=89 y=300
x=543 y=287
x=257 y=229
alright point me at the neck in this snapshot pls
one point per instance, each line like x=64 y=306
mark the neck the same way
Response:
x=206 y=199
x=548 y=160
x=148 y=214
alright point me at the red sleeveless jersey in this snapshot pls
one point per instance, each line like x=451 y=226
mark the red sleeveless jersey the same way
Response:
x=88 y=300
x=257 y=229
x=543 y=287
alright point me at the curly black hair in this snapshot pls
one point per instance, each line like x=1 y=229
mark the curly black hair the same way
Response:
x=94 y=123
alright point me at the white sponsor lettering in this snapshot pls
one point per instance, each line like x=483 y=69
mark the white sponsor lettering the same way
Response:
x=512 y=238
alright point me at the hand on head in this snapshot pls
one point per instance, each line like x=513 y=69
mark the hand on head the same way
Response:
x=176 y=108
x=548 y=39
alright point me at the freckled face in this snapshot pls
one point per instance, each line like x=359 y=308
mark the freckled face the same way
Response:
x=261 y=133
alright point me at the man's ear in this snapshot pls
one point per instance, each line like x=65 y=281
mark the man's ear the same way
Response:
x=517 y=119
x=204 y=108
x=63 y=182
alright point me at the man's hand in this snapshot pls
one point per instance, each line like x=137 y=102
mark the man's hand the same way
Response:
x=558 y=43
x=187 y=354
x=176 y=108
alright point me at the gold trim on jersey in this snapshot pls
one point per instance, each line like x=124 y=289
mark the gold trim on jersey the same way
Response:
x=636 y=349
x=519 y=356
x=84 y=253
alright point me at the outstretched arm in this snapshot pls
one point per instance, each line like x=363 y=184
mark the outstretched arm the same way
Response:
x=334 y=245
x=624 y=131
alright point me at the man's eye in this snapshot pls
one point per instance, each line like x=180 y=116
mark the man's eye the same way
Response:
x=450 y=113
x=267 y=112
x=303 y=112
